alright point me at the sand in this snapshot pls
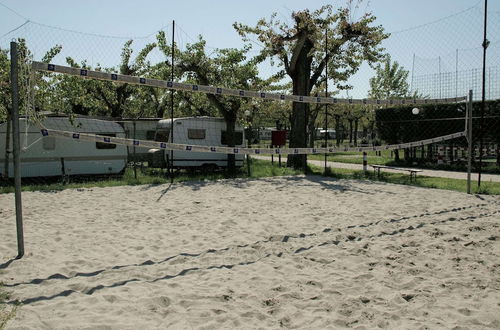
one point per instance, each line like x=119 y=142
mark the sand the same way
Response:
x=293 y=252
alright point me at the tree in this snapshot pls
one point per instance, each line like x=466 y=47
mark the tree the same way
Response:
x=300 y=50
x=228 y=67
x=24 y=58
x=390 y=81
x=186 y=103
x=104 y=97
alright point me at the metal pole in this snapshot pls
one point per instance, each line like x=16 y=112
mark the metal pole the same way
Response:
x=469 y=140
x=16 y=146
x=135 y=159
x=172 y=106
x=483 y=98
x=456 y=74
x=326 y=95
x=439 y=65
x=412 y=72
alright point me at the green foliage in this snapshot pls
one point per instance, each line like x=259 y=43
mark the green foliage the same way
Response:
x=303 y=42
x=390 y=81
x=303 y=52
x=24 y=78
x=5 y=97
x=104 y=98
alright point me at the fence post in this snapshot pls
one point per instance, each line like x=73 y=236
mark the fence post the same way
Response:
x=365 y=162
x=16 y=146
x=248 y=166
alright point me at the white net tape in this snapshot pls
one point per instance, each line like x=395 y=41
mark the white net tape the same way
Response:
x=84 y=73
x=231 y=150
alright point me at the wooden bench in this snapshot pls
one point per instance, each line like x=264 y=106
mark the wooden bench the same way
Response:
x=413 y=172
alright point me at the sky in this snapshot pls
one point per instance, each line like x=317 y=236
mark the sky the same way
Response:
x=213 y=20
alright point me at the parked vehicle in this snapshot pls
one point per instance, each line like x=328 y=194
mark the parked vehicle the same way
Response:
x=321 y=132
x=46 y=156
x=145 y=129
x=207 y=131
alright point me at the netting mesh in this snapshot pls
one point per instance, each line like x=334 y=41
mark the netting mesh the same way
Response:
x=440 y=65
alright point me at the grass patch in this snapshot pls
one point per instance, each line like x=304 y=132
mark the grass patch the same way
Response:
x=355 y=157
x=258 y=169
x=487 y=188
x=6 y=312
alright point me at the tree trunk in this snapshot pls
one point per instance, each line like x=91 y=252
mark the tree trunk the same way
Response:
x=311 y=134
x=298 y=138
x=350 y=131
x=337 y=129
x=300 y=72
x=356 y=121
x=430 y=152
x=396 y=155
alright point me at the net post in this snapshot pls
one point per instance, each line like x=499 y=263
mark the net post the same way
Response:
x=16 y=146
x=172 y=67
x=326 y=95
x=469 y=140
x=249 y=172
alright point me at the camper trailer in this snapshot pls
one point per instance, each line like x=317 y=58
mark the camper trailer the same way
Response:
x=139 y=129
x=46 y=156
x=321 y=132
x=207 y=131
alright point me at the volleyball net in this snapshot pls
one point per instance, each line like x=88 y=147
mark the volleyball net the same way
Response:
x=386 y=119
x=428 y=131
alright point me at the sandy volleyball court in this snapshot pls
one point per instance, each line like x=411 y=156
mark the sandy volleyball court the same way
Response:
x=293 y=252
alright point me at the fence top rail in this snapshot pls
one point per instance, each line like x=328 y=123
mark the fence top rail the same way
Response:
x=100 y=75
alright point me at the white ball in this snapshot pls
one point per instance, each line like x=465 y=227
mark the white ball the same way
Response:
x=415 y=111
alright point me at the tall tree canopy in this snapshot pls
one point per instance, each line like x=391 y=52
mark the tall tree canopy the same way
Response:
x=390 y=81
x=226 y=67
x=300 y=49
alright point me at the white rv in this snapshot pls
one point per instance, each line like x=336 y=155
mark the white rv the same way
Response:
x=207 y=131
x=145 y=129
x=45 y=156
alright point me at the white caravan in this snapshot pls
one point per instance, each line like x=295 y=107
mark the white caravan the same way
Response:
x=145 y=129
x=206 y=131
x=45 y=156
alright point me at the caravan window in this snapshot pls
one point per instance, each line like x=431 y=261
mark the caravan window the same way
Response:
x=102 y=145
x=49 y=143
x=238 y=138
x=196 y=134
x=162 y=135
